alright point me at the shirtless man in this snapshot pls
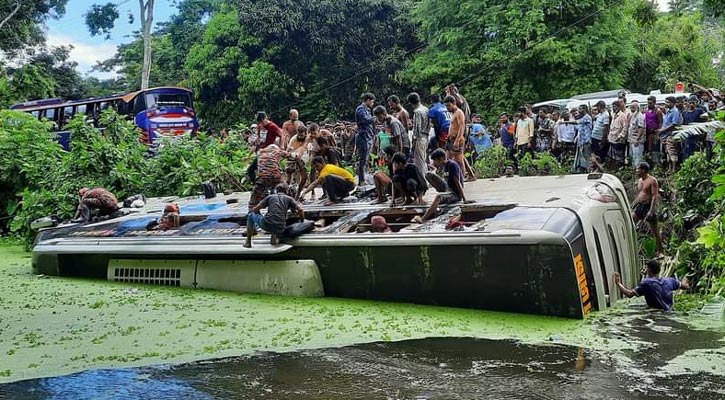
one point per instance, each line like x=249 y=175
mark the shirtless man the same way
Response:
x=645 y=205
x=456 y=134
x=300 y=157
x=289 y=128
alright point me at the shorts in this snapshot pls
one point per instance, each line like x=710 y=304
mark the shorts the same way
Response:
x=641 y=210
x=448 y=198
x=452 y=148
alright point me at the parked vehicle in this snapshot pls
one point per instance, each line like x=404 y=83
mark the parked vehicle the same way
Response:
x=157 y=112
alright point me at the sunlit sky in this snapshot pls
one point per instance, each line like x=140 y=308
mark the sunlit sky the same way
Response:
x=87 y=50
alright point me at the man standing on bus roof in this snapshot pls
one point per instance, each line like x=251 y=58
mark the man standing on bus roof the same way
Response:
x=273 y=131
x=289 y=128
x=656 y=291
x=645 y=205
x=364 y=134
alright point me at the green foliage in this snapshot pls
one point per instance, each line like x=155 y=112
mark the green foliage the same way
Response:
x=38 y=178
x=674 y=49
x=693 y=184
x=509 y=54
x=318 y=55
x=492 y=163
x=24 y=29
x=540 y=164
x=101 y=20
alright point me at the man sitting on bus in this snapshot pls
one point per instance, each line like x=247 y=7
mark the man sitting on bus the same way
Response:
x=450 y=190
x=275 y=221
x=97 y=202
x=657 y=291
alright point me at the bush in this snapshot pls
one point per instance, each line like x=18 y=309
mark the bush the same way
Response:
x=38 y=178
x=492 y=163
x=540 y=164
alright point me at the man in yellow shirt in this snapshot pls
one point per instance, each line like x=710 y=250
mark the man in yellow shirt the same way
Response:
x=337 y=182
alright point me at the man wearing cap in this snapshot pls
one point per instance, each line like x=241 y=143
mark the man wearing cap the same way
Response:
x=421 y=130
x=97 y=202
x=364 y=134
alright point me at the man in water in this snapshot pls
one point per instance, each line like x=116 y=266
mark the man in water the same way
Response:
x=275 y=221
x=656 y=291
x=645 y=205
x=97 y=202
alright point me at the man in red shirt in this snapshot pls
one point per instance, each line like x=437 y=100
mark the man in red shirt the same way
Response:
x=273 y=131
x=267 y=133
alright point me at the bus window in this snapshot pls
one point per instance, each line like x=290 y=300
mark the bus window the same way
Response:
x=49 y=114
x=617 y=254
x=167 y=99
x=600 y=255
x=66 y=117
x=81 y=109
x=36 y=114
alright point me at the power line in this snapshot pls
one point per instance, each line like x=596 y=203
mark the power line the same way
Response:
x=530 y=47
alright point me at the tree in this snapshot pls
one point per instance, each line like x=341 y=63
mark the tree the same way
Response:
x=522 y=51
x=674 y=49
x=102 y=19
x=21 y=22
x=317 y=55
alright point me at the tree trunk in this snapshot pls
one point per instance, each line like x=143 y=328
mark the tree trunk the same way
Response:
x=12 y=13
x=147 y=18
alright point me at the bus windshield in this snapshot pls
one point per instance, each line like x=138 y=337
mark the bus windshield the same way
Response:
x=167 y=99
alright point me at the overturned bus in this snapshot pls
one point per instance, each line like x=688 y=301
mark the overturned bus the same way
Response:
x=540 y=245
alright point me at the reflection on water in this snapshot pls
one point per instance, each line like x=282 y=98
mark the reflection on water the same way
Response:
x=445 y=368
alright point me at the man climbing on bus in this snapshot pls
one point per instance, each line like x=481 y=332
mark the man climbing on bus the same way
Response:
x=657 y=291
x=450 y=190
x=95 y=203
x=275 y=221
x=645 y=204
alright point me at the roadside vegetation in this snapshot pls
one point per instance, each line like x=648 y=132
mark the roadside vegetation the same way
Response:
x=38 y=178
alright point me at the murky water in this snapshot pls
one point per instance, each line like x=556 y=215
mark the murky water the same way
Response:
x=437 y=368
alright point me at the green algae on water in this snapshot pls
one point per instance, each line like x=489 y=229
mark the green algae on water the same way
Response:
x=51 y=326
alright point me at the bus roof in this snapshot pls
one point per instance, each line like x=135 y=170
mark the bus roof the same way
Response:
x=56 y=102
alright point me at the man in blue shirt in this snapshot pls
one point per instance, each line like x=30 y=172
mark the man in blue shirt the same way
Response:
x=364 y=134
x=440 y=119
x=480 y=139
x=657 y=291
